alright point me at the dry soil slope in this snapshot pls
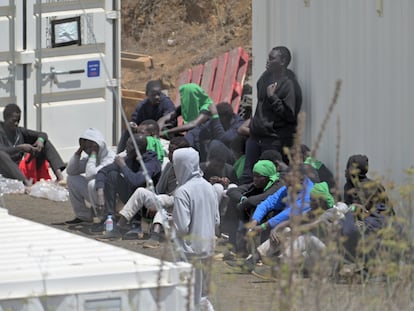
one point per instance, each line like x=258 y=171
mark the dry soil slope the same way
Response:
x=181 y=33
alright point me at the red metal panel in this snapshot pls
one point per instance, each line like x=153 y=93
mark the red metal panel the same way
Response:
x=219 y=79
x=222 y=78
x=234 y=78
x=240 y=76
x=230 y=77
x=197 y=74
x=209 y=75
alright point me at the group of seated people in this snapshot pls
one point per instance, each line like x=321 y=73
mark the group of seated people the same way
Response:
x=264 y=209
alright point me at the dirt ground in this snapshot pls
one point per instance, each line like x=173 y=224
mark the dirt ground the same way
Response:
x=230 y=290
x=179 y=34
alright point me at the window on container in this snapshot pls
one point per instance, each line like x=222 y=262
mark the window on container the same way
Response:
x=66 y=32
x=108 y=304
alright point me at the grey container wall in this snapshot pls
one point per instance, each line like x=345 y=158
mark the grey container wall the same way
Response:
x=369 y=45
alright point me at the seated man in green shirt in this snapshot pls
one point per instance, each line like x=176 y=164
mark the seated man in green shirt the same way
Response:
x=195 y=109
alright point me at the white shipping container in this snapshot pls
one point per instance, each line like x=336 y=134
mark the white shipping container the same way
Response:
x=43 y=268
x=60 y=63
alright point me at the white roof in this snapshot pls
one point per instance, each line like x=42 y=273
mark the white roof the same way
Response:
x=39 y=260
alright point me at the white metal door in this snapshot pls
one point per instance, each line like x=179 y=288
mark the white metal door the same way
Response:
x=65 y=55
x=7 y=55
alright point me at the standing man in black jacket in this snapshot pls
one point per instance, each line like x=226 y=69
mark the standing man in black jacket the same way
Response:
x=279 y=99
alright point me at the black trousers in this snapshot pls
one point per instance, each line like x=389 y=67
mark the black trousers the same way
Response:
x=255 y=147
x=116 y=187
x=10 y=169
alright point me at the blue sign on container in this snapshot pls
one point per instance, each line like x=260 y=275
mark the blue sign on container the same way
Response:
x=94 y=67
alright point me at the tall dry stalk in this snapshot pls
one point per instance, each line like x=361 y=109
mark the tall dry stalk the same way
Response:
x=327 y=117
x=337 y=159
x=289 y=288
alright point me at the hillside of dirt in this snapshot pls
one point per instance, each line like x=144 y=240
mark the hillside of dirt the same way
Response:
x=179 y=34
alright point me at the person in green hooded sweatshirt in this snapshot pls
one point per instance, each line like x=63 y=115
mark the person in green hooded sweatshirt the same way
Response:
x=196 y=108
x=244 y=199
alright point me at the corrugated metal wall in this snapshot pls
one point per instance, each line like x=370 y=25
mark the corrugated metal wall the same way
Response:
x=374 y=57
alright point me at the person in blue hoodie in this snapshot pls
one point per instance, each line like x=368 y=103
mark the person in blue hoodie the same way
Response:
x=293 y=198
x=244 y=199
x=285 y=202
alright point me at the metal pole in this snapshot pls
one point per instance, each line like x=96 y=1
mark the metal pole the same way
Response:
x=12 y=38
x=39 y=66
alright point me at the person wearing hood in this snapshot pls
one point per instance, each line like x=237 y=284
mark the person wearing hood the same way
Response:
x=196 y=108
x=244 y=199
x=195 y=215
x=16 y=141
x=370 y=210
x=82 y=172
x=359 y=189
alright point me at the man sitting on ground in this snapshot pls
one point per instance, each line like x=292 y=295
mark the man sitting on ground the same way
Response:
x=222 y=131
x=144 y=198
x=122 y=177
x=370 y=210
x=314 y=232
x=16 y=141
x=290 y=200
x=151 y=129
x=195 y=109
x=82 y=173
x=154 y=107
x=244 y=199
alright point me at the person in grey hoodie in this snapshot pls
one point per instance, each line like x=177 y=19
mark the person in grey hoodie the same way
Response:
x=195 y=216
x=82 y=172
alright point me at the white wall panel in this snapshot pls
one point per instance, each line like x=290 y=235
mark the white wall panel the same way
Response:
x=371 y=54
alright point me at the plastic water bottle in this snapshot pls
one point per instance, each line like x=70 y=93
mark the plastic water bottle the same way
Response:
x=109 y=224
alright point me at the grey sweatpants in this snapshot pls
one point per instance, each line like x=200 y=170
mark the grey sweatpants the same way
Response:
x=202 y=279
x=81 y=190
